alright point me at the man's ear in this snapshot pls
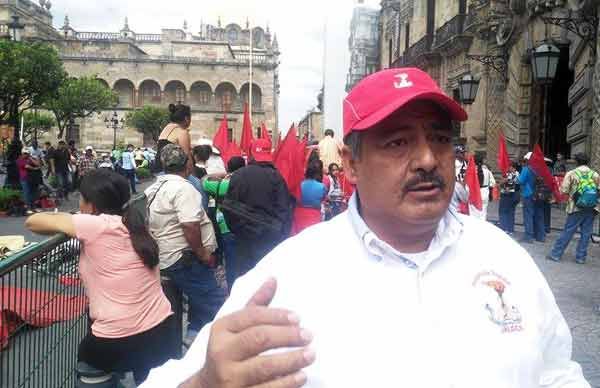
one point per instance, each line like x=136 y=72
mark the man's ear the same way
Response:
x=349 y=165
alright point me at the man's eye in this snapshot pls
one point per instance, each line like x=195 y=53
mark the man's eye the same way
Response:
x=442 y=139
x=396 y=143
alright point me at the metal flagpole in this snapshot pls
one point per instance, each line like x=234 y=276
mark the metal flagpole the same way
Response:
x=251 y=75
x=324 y=74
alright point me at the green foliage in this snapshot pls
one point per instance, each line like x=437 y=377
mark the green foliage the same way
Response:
x=30 y=74
x=36 y=124
x=80 y=98
x=143 y=173
x=7 y=197
x=149 y=120
x=53 y=181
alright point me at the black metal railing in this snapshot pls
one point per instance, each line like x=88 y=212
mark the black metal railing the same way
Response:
x=418 y=49
x=42 y=315
x=449 y=30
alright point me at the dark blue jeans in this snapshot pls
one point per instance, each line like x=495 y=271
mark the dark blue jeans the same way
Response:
x=228 y=246
x=583 y=219
x=130 y=174
x=27 y=193
x=62 y=178
x=533 y=219
x=506 y=211
x=199 y=283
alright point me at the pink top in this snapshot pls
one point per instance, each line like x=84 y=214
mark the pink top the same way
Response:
x=126 y=297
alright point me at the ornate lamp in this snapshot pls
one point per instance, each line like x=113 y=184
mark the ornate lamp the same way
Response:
x=544 y=61
x=467 y=89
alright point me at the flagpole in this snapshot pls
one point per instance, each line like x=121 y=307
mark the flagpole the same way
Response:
x=324 y=73
x=251 y=75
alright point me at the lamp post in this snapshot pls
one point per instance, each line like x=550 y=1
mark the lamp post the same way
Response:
x=467 y=89
x=114 y=123
x=16 y=27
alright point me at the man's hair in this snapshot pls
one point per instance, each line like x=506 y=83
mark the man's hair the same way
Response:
x=354 y=141
x=202 y=152
x=48 y=143
x=329 y=132
x=62 y=142
x=582 y=159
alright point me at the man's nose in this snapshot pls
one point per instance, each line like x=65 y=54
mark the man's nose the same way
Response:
x=423 y=155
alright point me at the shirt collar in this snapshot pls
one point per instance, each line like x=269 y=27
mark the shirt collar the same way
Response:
x=448 y=232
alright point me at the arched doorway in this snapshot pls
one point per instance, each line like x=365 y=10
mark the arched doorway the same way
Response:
x=125 y=90
x=551 y=113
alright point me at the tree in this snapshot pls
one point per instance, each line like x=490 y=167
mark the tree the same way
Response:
x=149 y=120
x=35 y=124
x=79 y=98
x=30 y=73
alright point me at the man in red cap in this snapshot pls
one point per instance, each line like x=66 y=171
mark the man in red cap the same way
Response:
x=400 y=290
x=257 y=208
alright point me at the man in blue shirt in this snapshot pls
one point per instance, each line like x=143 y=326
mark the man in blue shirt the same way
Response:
x=533 y=211
x=128 y=166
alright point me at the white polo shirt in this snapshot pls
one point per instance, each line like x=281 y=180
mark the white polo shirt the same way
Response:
x=472 y=311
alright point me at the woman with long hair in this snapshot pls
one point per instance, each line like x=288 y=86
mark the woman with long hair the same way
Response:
x=177 y=132
x=131 y=317
x=335 y=195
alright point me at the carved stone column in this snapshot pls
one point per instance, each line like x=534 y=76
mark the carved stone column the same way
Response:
x=595 y=131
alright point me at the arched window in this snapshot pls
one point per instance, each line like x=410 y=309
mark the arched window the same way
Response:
x=124 y=89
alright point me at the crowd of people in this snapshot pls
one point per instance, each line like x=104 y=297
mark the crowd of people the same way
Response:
x=391 y=195
x=48 y=175
x=523 y=184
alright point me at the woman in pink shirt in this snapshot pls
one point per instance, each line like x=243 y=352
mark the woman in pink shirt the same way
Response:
x=131 y=317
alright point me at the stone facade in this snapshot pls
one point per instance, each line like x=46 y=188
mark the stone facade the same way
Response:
x=363 y=44
x=312 y=124
x=208 y=70
x=494 y=40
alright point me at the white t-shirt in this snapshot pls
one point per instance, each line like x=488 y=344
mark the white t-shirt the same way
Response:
x=176 y=202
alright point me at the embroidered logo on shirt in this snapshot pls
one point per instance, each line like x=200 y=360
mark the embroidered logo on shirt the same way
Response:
x=500 y=311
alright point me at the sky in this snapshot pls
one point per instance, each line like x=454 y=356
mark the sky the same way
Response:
x=299 y=25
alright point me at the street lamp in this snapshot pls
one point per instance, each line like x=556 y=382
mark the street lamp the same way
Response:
x=115 y=124
x=15 y=26
x=545 y=62
x=467 y=89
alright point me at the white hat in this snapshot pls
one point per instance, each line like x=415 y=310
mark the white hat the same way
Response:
x=89 y=148
x=26 y=150
x=205 y=141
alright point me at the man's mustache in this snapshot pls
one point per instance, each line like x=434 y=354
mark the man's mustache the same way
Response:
x=424 y=177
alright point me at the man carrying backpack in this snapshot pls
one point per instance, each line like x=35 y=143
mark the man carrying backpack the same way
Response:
x=581 y=184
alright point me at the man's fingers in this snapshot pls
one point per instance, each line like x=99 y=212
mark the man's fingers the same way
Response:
x=259 y=339
x=257 y=316
x=268 y=369
x=265 y=293
x=296 y=380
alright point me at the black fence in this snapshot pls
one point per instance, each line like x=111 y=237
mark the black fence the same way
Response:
x=43 y=315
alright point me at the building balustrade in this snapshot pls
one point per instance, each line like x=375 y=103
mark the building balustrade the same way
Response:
x=449 y=30
x=421 y=47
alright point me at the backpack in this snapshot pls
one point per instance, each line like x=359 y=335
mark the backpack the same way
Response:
x=541 y=192
x=140 y=205
x=586 y=194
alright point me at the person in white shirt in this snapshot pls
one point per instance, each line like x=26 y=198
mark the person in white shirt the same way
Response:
x=486 y=184
x=411 y=296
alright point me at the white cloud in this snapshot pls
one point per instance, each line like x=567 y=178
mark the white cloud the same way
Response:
x=299 y=26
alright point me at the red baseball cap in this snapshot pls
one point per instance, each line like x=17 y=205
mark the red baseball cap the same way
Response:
x=379 y=95
x=261 y=150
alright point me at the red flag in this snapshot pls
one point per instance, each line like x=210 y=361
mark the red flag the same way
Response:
x=291 y=133
x=503 y=159
x=290 y=161
x=232 y=150
x=472 y=181
x=264 y=134
x=537 y=163
x=247 y=136
x=221 y=139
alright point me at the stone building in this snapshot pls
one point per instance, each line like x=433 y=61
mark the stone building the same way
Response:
x=208 y=70
x=363 y=44
x=311 y=124
x=494 y=40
